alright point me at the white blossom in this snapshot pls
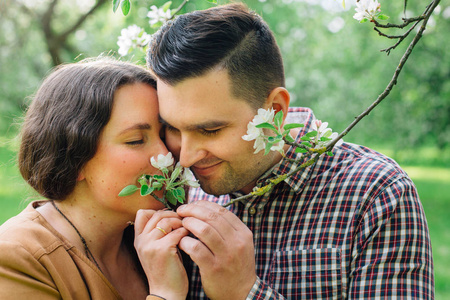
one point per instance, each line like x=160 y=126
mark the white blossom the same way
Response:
x=131 y=37
x=260 y=144
x=366 y=9
x=323 y=130
x=257 y=134
x=189 y=178
x=263 y=116
x=278 y=147
x=158 y=15
x=162 y=161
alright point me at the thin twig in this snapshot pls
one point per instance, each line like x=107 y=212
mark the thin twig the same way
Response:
x=406 y=22
x=178 y=9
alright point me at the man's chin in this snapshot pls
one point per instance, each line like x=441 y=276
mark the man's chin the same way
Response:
x=210 y=189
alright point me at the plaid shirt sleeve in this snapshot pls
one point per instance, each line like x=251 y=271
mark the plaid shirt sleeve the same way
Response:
x=391 y=257
x=262 y=291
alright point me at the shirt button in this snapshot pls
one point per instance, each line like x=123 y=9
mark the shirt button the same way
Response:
x=252 y=210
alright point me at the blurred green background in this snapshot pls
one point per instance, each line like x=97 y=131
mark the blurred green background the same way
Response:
x=333 y=65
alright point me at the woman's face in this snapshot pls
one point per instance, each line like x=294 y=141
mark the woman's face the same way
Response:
x=126 y=144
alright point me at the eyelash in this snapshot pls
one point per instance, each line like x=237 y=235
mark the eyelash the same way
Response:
x=171 y=129
x=210 y=132
x=135 y=143
x=203 y=131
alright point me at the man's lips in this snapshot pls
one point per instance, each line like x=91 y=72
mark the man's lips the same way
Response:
x=204 y=171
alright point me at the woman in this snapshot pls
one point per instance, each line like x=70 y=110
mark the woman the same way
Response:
x=91 y=130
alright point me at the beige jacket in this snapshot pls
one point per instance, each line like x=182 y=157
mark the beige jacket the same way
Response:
x=36 y=262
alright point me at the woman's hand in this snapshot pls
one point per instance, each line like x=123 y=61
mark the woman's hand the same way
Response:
x=157 y=234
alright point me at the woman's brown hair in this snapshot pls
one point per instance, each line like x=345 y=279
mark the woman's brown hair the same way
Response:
x=64 y=121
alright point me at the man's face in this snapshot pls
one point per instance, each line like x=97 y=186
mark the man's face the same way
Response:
x=205 y=125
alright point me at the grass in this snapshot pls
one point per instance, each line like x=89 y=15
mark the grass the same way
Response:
x=432 y=182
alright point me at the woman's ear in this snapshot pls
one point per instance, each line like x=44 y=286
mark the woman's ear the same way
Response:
x=81 y=176
x=278 y=99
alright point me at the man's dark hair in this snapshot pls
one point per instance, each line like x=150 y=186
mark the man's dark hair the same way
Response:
x=229 y=37
x=64 y=121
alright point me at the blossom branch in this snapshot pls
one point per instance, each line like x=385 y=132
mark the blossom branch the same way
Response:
x=393 y=81
x=406 y=21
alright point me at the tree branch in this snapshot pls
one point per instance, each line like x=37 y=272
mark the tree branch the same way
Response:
x=63 y=36
x=393 y=81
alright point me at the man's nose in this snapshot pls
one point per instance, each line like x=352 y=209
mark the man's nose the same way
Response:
x=191 y=151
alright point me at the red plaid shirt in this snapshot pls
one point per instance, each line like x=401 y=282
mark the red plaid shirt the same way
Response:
x=351 y=226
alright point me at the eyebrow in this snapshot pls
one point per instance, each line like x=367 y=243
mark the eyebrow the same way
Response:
x=193 y=127
x=139 y=126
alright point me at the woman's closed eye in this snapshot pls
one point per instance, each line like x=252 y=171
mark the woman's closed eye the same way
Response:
x=135 y=142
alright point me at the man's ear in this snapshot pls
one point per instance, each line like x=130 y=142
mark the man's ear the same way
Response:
x=278 y=99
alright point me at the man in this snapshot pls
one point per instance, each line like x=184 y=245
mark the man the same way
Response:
x=349 y=226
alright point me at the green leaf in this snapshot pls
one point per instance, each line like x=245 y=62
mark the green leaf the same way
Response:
x=128 y=190
x=327 y=133
x=158 y=177
x=180 y=194
x=278 y=120
x=157 y=185
x=144 y=180
x=212 y=1
x=289 y=138
x=307 y=144
x=329 y=153
x=311 y=134
x=300 y=150
x=126 y=5
x=116 y=4
x=166 y=6
x=266 y=125
x=171 y=197
x=292 y=126
x=364 y=20
x=382 y=17
x=175 y=174
x=305 y=138
x=268 y=146
x=146 y=190
x=175 y=195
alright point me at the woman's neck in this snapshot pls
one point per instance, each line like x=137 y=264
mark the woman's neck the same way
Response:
x=102 y=234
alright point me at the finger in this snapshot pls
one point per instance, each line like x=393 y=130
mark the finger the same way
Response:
x=176 y=235
x=209 y=212
x=142 y=217
x=198 y=251
x=157 y=217
x=167 y=225
x=206 y=233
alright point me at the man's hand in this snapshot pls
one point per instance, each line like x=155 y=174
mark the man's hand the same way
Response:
x=224 y=251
